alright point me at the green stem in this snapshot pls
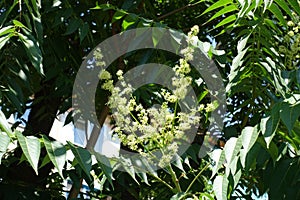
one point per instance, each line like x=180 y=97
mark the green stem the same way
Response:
x=203 y=169
x=175 y=113
x=162 y=181
x=174 y=179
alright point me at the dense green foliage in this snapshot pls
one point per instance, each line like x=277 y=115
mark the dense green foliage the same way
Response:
x=256 y=45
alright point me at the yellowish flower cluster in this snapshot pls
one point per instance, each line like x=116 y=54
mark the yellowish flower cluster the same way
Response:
x=290 y=49
x=158 y=128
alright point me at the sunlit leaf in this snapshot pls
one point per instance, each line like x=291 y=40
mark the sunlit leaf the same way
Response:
x=216 y=5
x=268 y=124
x=31 y=148
x=295 y=5
x=56 y=152
x=4 y=142
x=223 y=11
x=249 y=136
x=231 y=148
x=218 y=156
x=4 y=126
x=119 y=14
x=128 y=21
x=277 y=12
x=283 y=5
x=220 y=186
x=227 y=20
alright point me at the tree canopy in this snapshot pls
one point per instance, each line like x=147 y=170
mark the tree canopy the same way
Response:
x=255 y=46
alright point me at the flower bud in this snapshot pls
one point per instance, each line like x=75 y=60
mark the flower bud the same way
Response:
x=291 y=33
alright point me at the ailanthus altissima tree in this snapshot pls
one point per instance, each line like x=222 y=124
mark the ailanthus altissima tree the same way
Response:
x=256 y=46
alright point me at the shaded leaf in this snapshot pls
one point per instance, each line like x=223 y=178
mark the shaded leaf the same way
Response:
x=157 y=34
x=105 y=166
x=289 y=114
x=178 y=196
x=33 y=51
x=128 y=167
x=83 y=158
x=83 y=31
x=73 y=26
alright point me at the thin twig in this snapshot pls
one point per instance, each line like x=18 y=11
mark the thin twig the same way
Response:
x=203 y=169
x=178 y=10
x=174 y=178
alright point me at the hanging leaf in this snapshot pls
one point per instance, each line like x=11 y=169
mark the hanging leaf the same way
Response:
x=73 y=26
x=295 y=5
x=143 y=176
x=119 y=14
x=231 y=148
x=57 y=153
x=4 y=126
x=216 y=5
x=236 y=178
x=218 y=156
x=128 y=21
x=223 y=11
x=5 y=34
x=83 y=31
x=227 y=20
x=220 y=186
x=105 y=166
x=289 y=114
x=157 y=34
x=277 y=12
x=284 y=6
x=19 y=24
x=31 y=148
x=128 y=167
x=269 y=124
x=249 y=136
x=4 y=142
x=33 y=51
x=83 y=158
